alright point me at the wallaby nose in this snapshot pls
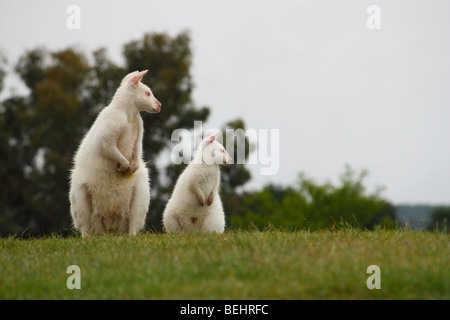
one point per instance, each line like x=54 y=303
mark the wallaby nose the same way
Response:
x=158 y=104
x=229 y=160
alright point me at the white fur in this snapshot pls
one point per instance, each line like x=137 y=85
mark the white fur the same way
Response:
x=195 y=204
x=110 y=187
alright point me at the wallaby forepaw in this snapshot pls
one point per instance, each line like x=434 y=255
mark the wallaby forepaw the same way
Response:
x=210 y=199
x=122 y=169
x=132 y=169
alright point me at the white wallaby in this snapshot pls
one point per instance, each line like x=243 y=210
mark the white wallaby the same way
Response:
x=110 y=184
x=195 y=204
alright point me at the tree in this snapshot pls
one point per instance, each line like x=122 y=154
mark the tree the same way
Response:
x=3 y=63
x=14 y=158
x=316 y=206
x=42 y=129
x=440 y=217
x=236 y=175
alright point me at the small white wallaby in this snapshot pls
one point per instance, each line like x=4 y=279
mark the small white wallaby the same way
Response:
x=110 y=185
x=195 y=204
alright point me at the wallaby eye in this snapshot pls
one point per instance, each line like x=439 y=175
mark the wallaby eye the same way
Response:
x=222 y=150
x=147 y=93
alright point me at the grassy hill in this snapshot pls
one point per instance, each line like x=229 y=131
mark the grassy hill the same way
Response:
x=234 y=265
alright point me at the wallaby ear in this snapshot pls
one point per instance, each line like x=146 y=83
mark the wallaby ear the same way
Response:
x=136 y=77
x=213 y=137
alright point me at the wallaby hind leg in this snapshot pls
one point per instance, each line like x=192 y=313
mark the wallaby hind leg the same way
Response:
x=215 y=219
x=98 y=223
x=214 y=222
x=172 y=224
x=139 y=201
x=81 y=208
x=123 y=225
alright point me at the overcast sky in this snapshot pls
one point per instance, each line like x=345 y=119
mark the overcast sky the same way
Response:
x=337 y=91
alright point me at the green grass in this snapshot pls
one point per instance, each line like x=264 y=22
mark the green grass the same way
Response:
x=234 y=265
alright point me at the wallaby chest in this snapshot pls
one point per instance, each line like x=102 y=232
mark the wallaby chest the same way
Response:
x=207 y=178
x=128 y=139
